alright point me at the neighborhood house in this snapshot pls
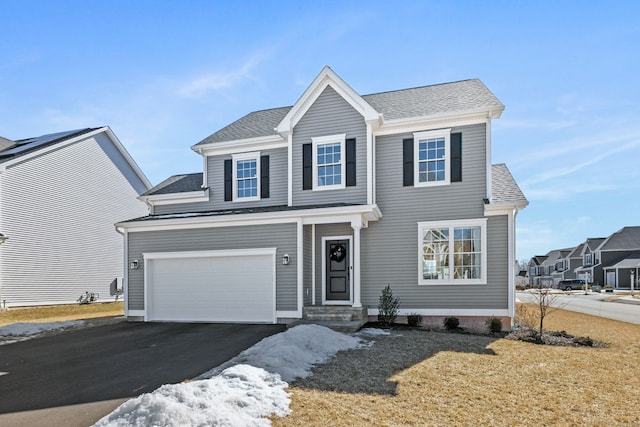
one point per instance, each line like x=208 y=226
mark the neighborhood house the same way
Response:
x=324 y=203
x=613 y=261
x=60 y=194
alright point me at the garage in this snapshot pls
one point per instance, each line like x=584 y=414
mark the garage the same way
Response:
x=211 y=286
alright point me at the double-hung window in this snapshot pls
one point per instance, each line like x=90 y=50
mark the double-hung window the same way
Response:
x=452 y=252
x=329 y=162
x=432 y=157
x=246 y=177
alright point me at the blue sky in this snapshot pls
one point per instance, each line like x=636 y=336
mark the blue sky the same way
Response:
x=164 y=75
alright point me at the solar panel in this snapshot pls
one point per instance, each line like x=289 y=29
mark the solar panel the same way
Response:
x=28 y=144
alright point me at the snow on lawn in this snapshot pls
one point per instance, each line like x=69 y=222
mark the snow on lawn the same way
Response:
x=24 y=331
x=240 y=392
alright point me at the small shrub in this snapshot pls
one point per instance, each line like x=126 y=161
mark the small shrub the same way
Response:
x=414 y=319
x=388 y=307
x=494 y=325
x=451 y=323
x=526 y=315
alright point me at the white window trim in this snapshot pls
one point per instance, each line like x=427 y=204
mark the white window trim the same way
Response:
x=440 y=133
x=329 y=139
x=240 y=157
x=478 y=222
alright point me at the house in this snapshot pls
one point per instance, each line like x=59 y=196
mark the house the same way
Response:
x=325 y=203
x=60 y=195
x=536 y=270
x=619 y=256
x=561 y=269
x=590 y=270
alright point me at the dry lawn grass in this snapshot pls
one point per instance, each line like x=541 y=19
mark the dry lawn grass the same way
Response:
x=59 y=313
x=462 y=380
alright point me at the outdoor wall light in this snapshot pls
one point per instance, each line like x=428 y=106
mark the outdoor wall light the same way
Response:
x=285 y=259
x=133 y=265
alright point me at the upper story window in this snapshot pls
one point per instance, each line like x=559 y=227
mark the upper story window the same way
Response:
x=432 y=157
x=588 y=259
x=246 y=174
x=329 y=162
x=454 y=252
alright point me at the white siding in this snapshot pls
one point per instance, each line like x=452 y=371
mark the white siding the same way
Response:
x=58 y=211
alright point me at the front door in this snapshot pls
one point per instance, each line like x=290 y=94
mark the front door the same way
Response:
x=338 y=286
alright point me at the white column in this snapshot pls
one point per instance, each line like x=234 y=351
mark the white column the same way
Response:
x=356 y=265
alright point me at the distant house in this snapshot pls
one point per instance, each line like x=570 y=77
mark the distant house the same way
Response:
x=619 y=255
x=561 y=270
x=536 y=270
x=60 y=195
x=317 y=207
x=591 y=269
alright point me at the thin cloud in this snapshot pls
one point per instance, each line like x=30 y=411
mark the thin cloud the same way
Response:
x=539 y=124
x=202 y=85
x=565 y=170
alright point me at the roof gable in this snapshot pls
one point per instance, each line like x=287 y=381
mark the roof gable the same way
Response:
x=627 y=238
x=327 y=77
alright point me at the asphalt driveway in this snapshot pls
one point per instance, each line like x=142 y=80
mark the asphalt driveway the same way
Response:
x=111 y=362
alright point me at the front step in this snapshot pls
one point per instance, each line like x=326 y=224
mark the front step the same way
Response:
x=337 y=317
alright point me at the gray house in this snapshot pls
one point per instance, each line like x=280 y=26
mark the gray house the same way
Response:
x=591 y=268
x=620 y=257
x=537 y=271
x=59 y=197
x=326 y=202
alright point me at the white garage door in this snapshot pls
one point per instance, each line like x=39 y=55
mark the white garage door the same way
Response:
x=211 y=286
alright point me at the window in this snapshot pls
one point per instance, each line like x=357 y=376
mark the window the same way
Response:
x=329 y=162
x=588 y=259
x=246 y=177
x=432 y=157
x=452 y=252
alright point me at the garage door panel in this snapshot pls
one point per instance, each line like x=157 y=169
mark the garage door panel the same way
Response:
x=235 y=288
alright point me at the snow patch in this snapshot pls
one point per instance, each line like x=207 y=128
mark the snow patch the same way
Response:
x=24 y=331
x=240 y=396
x=293 y=353
x=374 y=331
x=240 y=392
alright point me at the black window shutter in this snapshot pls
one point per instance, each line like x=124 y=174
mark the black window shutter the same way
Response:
x=351 y=162
x=456 y=157
x=407 y=162
x=228 y=181
x=264 y=177
x=307 y=166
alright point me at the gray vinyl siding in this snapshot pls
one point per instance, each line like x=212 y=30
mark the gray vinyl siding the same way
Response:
x=307 y=234
x=326 y=230
x=58 y=210
x=330 y=115
x=389 y=253
x=458 y=200
x=281 y=236
x=215 y=177
x=390 y=257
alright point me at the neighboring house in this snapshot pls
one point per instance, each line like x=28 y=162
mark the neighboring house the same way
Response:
x=60 y=195
x=561 y=269
x=575 y=261
x=619 y=255
x=328 y=201
x=590 y=270
x=536 y=270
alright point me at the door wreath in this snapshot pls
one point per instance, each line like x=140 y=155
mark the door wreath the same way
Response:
x=337 y=253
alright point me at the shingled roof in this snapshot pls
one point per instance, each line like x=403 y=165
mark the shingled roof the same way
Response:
x=460 y=97
x=177 y=184
x=627 y=238
x=504 y=189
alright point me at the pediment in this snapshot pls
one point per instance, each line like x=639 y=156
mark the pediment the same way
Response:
x=327 y=77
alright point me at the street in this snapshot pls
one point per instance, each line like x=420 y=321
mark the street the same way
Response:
x=593 y=304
